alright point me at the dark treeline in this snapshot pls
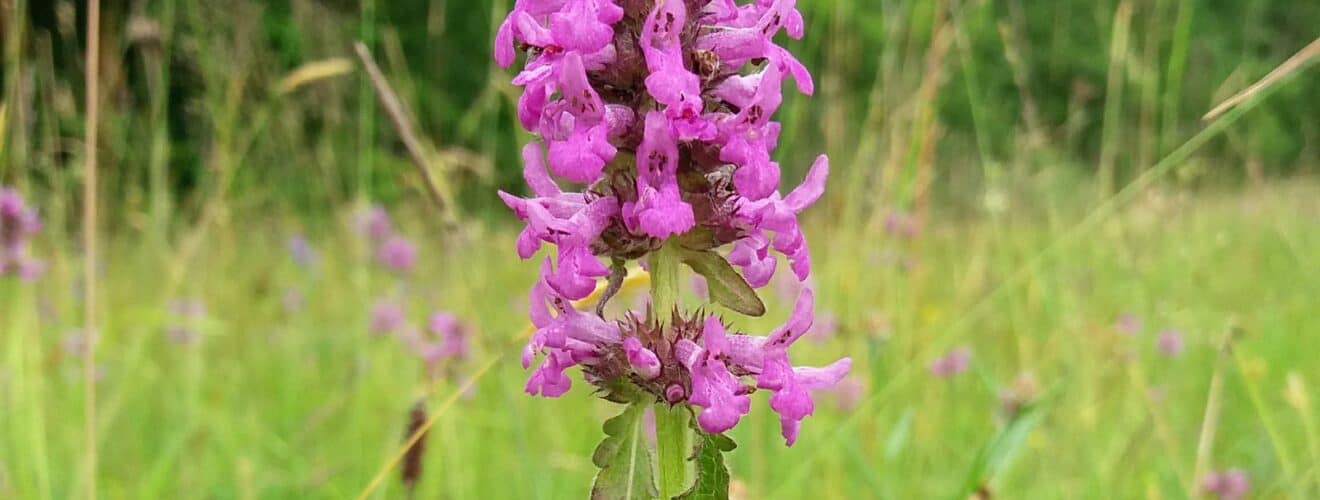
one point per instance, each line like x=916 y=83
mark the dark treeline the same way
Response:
x=194 y=97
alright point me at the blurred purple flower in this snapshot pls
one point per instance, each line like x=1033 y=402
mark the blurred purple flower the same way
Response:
x=293 y=300
x=1231 y=484
x=18 y=223
x=1170 y=342
x=445 y=338
x=824 y=328
x=386 y=317
x=952 y=363
x=451 y=336
x=848 y=392
x=901 y=224
x=182 y=334
x=397 y=254
x=76 y=342
x=375 y=224
x=1128 y=324
x=190 y=308
x=301 y=250
x=186 y=313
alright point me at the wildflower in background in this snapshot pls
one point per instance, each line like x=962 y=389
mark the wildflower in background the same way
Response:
x=658 y=115
x=450 y=338
x=848 y=392
x=18 y=223
x=187 y=308
x=1128 y=324
x=386 y=317
x=952 y=363
x=397 y=254
x=301 y=250
x=901 y=224
x=1231 y=484
x=824 y=328
x=76 y=342
x=375 y=224
x=1169 y=343
x=294 y=300
x=185 y=316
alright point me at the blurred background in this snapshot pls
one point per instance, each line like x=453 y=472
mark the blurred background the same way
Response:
x=1058 y=279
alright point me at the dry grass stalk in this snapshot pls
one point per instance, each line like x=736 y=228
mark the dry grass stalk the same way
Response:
x=89 y=238
x=411 y=469
x=1308 y=54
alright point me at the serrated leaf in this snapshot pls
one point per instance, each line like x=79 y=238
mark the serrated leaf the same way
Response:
x=727 y=287
x=623 y=458
x=712 y=475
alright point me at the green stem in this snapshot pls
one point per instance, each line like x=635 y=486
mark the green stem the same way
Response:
x=664 y=281
x=674 y=443
x=674 y=439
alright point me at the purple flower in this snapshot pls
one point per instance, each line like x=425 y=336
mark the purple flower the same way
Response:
x=182 y=334
x=397 y=254
x=18 y=223
x=1230 y=484
x=824 y=328
x=186 y=314
x=645 y=362
x=187 y=309
x=375 y=224
x=902 y=224
x=660 y=115
x=714 y=388
x=848 y=392
x=386 y=317
x=1169 y=343
x=1128 y=324
x=445 y=338
x=452 y=338
x=952 y=363
x=77 y=342
x=294 y=300
x=301 y=250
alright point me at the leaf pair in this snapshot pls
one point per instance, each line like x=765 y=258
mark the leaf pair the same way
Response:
x=625 y=462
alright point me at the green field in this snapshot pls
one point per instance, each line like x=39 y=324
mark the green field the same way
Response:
x=277 y=403
x=1033 y=183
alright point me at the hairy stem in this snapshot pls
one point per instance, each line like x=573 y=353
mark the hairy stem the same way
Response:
x=674 y=443
x=673 y=434
x=664 y=281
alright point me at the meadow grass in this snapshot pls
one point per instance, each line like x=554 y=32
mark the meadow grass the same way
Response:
x=272 y=403
x=949 y=114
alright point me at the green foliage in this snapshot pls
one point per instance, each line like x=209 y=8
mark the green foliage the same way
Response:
x=193 y=113
x=624 y=459
x=727 y=286
x=712 y=475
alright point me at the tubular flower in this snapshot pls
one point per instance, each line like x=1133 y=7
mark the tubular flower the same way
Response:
x=18 y=223
x=659 y=114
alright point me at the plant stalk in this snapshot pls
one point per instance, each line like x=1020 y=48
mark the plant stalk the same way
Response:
x=674 y=439
x=674 y=443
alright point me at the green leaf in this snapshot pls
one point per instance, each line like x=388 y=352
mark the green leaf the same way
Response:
x=712 y=475
x=623 y=458
x=727 y=287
